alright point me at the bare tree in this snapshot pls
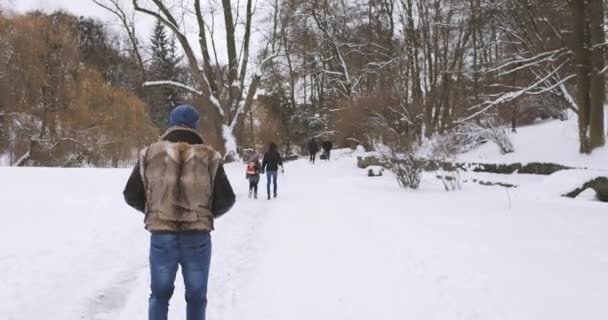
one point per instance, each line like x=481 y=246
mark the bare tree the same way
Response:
x=116 y=8
x=597 y=88
x=227 y=96
x=531 y=35
x=57 y=108
x=588 y=20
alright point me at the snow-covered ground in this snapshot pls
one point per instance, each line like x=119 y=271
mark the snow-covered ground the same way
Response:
x=549 y=141
x=334 y=245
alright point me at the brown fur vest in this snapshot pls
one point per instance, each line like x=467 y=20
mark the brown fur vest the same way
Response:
x=178 y=179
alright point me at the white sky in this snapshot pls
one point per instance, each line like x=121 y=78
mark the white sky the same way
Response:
x=80 y=7
x=144 y=23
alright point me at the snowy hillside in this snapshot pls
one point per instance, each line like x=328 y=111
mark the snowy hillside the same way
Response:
x=550 y=141
x=334 y=245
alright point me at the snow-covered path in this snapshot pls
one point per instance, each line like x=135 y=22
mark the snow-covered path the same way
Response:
x=334 y=245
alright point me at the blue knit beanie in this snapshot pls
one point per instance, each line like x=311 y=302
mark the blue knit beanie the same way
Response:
x=184 y=116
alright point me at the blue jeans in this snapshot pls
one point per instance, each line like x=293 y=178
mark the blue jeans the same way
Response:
x=193 y=252
x=271 y=176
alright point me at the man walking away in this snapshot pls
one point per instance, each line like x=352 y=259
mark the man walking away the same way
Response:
x=180 y=185
x=327 y=146
x=270 y=165
x=313 y=149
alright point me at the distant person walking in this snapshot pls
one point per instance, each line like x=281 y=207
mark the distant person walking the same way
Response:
x=313 y=149
x=180 y=185
x=327 y=146
x=271 y=163
x=254 y=168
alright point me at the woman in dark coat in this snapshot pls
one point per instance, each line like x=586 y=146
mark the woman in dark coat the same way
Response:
x=270 y=165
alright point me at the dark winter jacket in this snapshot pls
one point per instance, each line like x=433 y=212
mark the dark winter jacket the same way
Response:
x=272 y=159
x=313 y=146
x=327 y=145
x=222 y=195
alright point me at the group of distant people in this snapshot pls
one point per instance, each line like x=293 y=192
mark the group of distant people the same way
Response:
x=313 y=149
x=270 y=165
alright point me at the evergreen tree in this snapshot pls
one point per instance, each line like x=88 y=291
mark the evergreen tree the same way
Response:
x=164 y=66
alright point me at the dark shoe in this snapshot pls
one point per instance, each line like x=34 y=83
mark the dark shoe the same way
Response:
x=255 y=196
x=275 y=195
x=268 y=197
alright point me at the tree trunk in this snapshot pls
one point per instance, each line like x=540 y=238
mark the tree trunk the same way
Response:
x=597 y=89
x=251 y=122
x=514 y=118
x=581 y=55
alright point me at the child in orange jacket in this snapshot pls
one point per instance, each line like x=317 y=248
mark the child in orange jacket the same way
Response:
x=254 y=169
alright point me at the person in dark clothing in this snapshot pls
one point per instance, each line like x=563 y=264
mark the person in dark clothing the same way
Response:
x=253 y=175
x=271 y=163
x=313 y=149
x=179 y=210
x=327 y=146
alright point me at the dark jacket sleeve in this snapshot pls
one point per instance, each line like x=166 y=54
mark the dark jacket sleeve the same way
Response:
x=134 y=193
x=259 y=167
x=264 y=162
x=223 y=195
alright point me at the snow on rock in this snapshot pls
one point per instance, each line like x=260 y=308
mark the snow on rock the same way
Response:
x=562 y=182
x=360 y=150
x=587 y=195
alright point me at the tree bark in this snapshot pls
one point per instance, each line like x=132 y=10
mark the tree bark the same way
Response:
x=597 y=89
x=581 y=55
x=233 y=88
x=202 y=38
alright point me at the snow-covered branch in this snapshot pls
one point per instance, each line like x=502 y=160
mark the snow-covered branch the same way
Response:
x=166 y=17
x=116 y=9
x=174 y=84
x=520 y=63
x=258 y=72
x=510 y=96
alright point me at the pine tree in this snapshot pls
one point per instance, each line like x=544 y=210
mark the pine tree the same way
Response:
x=165 y=65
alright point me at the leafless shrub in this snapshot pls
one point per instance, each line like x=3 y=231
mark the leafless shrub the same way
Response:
x=407 y=170
x=488 y=130
x=398 y=147
x=443 y=149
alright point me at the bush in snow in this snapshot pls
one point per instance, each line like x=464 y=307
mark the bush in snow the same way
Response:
x=407 y=169
x=488 y=130
x=441 y=151
x=398 y=150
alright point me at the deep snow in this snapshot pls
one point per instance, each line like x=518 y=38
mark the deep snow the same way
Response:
x=547 y=141
x=334 y=245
